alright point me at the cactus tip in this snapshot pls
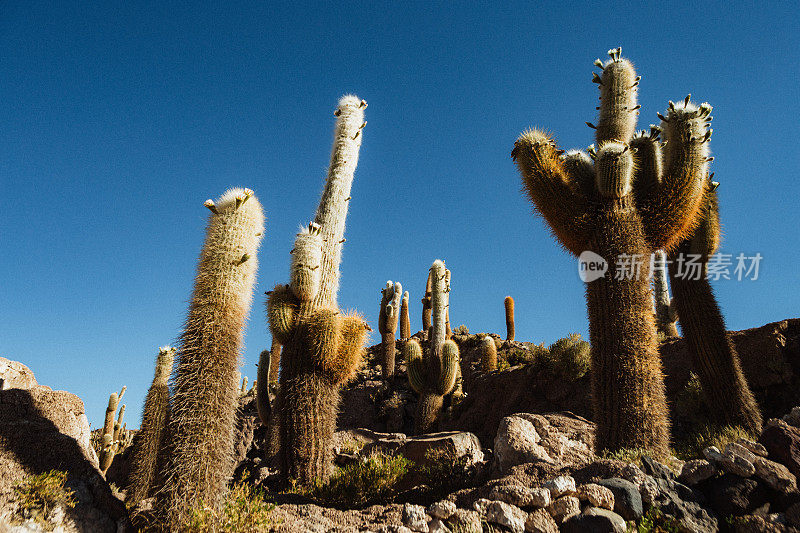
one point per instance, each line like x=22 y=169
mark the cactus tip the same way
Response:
x=210 y=205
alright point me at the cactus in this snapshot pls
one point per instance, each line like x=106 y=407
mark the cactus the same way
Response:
x=426 y=308
x=405 y=321
x=321 y=346
x=387 y=325
x=205 y=386
x=714 y=355
x=664 y=320
x=262 y=387
x=110 y=430
x=637 y=196
x=151 y=434
x=509 y=305
x=274 y=360
x=488 y=354
x=434 y=375
x=243 y=388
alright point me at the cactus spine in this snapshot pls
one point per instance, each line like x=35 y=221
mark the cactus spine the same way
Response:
x=405 y=321
x=387 y=324
x=639 y=201
x=151 y=434
x=665 y=322
x=488 y=354
x=714 y=356
x=321 y=347
x=434 y=375
x=111 y=431
x=509 y=305
x=205 y=384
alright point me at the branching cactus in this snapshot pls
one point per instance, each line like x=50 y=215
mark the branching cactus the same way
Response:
x=151 y=434
x=405 y=320
x=714 y=355
x=665 y=321
x=488 y=354
x=433 y=375
x=205 y=386
x=322 y=347
x=110 y=443
x=387 y=325
x=632 y=196
x=509 y=305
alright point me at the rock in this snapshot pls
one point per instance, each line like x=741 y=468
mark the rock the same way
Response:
x=437 y=526
x=567 y=438
x=627 y=500
x=564 y=507
x=792 y=418
x=651 y=467
x=392 y=529
x=596 y=495
x=415 y=518
x=521 y=496
x=782 y=441
x=453 y=445
x=685 y=505
x=480 y=505
x=560 y=486
x=753 y=446
x=509 y=516
x=517 y=443
x=756 y=524
x=41 y=430
x=443 y=509
x=734 y=495
x=465 y=521
x=695 y=471
x=737 y=449
x=15 y=375
x=793 y=514
x=540 y=521
x=775 y=475
x=594 y=520
x=729 y=462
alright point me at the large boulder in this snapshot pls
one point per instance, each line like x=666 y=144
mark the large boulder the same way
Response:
x=43 y=430
x=782 y=441
x=15 y=375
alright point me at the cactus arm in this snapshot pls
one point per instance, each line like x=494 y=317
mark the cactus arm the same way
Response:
x=580 y=168
x=439 y=302
x=262 y=387
x=282 y=313
x=415 y=365
x=706 y=237
x=664 y=321
x=426 y=306
x=671 y=211
x=448 y=370
x=618 y=93
x=351 y=349
x=649 y=158
x=306 y=263
x=550 y=189
x=274 y=360
x=405 y=321
x=614 y=170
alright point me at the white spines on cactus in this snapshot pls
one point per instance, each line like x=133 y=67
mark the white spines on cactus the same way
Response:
x=306 y=262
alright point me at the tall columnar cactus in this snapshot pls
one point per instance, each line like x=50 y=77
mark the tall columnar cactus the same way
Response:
x=665 y=321
x=509 y=305
x=205 y=385
x=426 y=308
x=488 y=354
x=434 y=375
x=714 y=355
x=262 y=387
x=322 y=347
x=388 y=316
x=110 y=431
x=152 y=431
x=405 y=320
x=637 y=196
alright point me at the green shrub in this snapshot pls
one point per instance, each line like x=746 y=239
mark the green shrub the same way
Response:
x=519 y=357
x=362 y=483
x=655 y=521
x=244 y=510
x=569 y=357
x=692 y=446
x=461 y=330
x=38 y=495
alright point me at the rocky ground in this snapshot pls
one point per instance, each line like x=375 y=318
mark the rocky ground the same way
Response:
x=513 y=455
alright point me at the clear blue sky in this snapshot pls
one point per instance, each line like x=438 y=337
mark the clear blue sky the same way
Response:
x=118 y=121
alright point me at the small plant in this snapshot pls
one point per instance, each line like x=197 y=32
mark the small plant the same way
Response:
x=444 y=472
x=519 y=357
x=655 y=521
x=362 y=483
x=39 y=495
x=692 y=446
x=245 y=510
x=570 y=357
x=461 y=330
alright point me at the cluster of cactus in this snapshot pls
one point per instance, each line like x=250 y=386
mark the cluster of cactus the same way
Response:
x=434 y=374
x=388 y=317
x=199 y=442
x=714 y=357
x=631 y=195
x=322 y=347
x=113 y=429
x=144 y=461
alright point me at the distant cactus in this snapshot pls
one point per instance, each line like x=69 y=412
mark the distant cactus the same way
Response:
x=322 y=347
x=262 y=387
x=434 y=375
x=426 y=308
x=637 y=196
x=388 y=316
x=243 y=388
x=509 y=305
x=405 y=320
x=149 y=440
x=110 y=430
x=204 y=385
x=714 y=356
x=488 y=354
x=665 y=322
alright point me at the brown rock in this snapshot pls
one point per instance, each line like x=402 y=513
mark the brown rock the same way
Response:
x=453 y=444
x=540 y=521
x=782 y=441
x=775 y=475
x=15 y=375
x=596 y=495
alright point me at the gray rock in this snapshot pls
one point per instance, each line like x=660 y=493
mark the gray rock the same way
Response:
x=540 y=521
x=415 y=518
x=564 y=507
x=466 y=521
x=560 y=486
x=755 y=447
x=651 y=467
x=686 y=505
x=775 y=475
x=737 y=449
x=443 y=509
x=594 y=520
x=729 y=462
x=521 y=496
x=509 y=516
x=437 y=526
x=481 y=505
x=734 y=495
x=695 y=471
x=627 y=499
x=517 y=443
x=456 y=445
